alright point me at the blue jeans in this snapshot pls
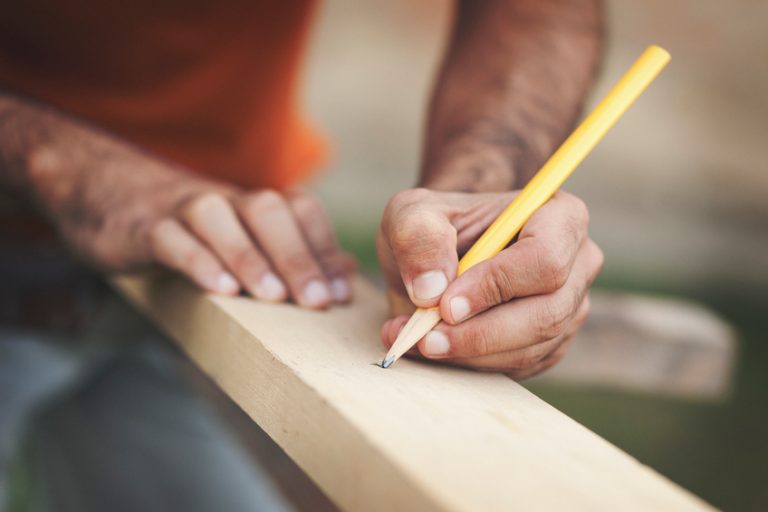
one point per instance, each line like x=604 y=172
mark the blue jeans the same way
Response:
x=105 y=423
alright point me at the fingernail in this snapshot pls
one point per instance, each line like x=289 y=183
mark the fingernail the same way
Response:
x=429 y=285
x=340 y=289
x=226 y=283
x=436 y=344
x=271 y=288
x=316 y=293
x=459 y=308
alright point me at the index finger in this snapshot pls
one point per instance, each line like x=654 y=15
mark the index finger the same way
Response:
x=539 y=262
x=422 y=241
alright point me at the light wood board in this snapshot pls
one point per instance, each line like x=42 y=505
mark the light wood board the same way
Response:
x=413 y=437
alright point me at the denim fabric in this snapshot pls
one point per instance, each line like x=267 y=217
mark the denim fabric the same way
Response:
x=105 y=423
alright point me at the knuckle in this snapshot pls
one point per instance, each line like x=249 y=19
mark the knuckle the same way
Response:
x=263 y=201
x=411 y=228
x=245 y=261
x=202 y=205
x=532 y=356
x=421 y=235
x=497 y=287
x=328 y=252
x=553 y=268
x=550 y=320
x=297 y=262
x=406 y=236
x=335 y=262
x=394 y=210
x=526 y=360
x=407 y=197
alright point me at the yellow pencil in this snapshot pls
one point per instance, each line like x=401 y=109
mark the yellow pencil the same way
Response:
x=541 y=187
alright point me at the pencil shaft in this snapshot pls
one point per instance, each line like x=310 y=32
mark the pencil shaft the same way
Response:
x=567 y=157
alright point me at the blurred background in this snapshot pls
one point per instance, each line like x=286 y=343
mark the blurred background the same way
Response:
x=677 y=193
x=672 y=366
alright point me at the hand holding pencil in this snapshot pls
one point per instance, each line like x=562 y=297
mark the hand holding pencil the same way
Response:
x=547 y=272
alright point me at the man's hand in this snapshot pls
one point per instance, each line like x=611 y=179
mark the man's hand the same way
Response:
x=120 y=208
x=515 y=312
x=509 y=90
x=272 y=245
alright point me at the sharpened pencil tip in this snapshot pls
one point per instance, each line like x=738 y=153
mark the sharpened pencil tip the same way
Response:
x=386 y=363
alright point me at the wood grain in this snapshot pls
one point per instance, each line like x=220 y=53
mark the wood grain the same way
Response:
x=414 y=437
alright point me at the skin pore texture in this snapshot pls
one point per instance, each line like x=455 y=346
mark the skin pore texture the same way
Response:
x=509 y=90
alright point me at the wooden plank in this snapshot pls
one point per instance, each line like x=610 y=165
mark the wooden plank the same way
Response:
x=415 y=437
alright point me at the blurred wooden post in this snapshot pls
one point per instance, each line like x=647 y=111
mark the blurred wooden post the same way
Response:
x=650 y=344
x=414 y=437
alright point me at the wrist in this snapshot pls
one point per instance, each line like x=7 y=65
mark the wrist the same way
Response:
x=469 y=166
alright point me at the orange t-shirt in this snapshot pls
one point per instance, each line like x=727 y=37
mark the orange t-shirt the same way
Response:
x=210 y=85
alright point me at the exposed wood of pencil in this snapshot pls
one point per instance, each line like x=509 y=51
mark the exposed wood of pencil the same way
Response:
x=420 y=323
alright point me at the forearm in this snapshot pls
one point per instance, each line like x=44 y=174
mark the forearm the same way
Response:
x=76 y=174
x=509 y=90
x=40 y=147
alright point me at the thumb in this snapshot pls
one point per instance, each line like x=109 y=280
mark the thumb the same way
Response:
x=423 y=243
